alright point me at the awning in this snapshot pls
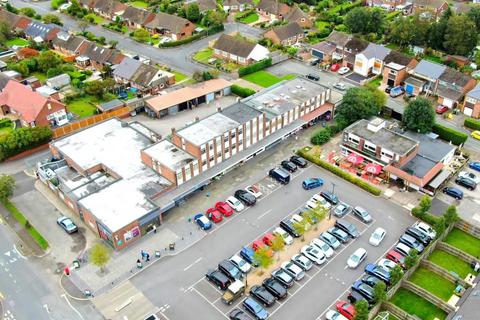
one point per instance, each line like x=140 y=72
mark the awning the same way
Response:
x=439 y=179
x=354 y=158
x=373 y=168
x=317 y=112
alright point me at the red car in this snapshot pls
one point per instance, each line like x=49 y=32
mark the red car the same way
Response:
x=257 y=244
x=224 y=208
x=214 y=215
x=346 y=309
x=335 y=67
x=396 y=257
x=441 y=109
x=268 y=238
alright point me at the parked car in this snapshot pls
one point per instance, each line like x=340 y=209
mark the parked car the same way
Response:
x=286 y=237
x=244 y=196
x=237 y=314
x=334 y=315
x=233 y=292
x=365 y=290
x=235 y=204
x=425 y=228
x=302 y=261
x=466 y=182
x=67 y=224
x=287 y=225
x=262 y=295
x=343 y=70
x=255 y=309
x=259 y=244
x=440 y=109
x=357 y=258
x=388 y=89
x=202 y=221
x=419 y=235
x=240 y=263
x=296 y=218
x=312 y=183
x=330 y=197
x=362 y=214
x=346 y=309
x=247 y=254
x=284 y=278
x=370 y=280
x=289 y=166
x=220 y=280
x=330 y=240
x=412 y=243
x=254 y=191
x=378 y=272
x=397 y=91
x=338 y=233
x=314 y=254
x=275 y=288
x=402 y=248
x=340 y=86
x=224 y=208
x=323 y=246
x=335 y=67
x=475 y=134
x=470 y=175
x=341 y=210
x=355 y=296
x=299 y=161
x=230 y=270
x=321 y=201
x=387 y=264
x=214 y=215
x=313 y=77
x=293 y=270
x=396 y=257
x=453 y=192
x=377 y=237
x=280 y=175
x=348 y=228
x=474 y=165
x=314 y=62
x=311 y=205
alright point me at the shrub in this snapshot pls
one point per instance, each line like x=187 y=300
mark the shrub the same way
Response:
x=242 y=91
x=449 y=134
x=204 y=33
x=472 y=124
x=322 y=136
x=254 y=67
x=5 y=123
x=23 y=139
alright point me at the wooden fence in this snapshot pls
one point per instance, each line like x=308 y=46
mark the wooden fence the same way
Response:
x=457 y=252
x=443 y=273
x=397 y=312
x=468 y=228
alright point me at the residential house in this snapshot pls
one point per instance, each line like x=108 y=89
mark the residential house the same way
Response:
x=274 y=10
x=285 y=35
x=390 y=5
x=370 y=61
x=109 y=9
x=237 y=5
x=471 y=107
x=397 y=66
x=69 y=44
x=333 y=48
x=58 y=82
x=430 y=8
x=137 y=18
x=40 y=32
x=16 y=22
x=238 y=50
x=299 y=16
x=31 y=109
x=171 y=26
x=203 y=5
x=96 y=56
x=4 y=79
x=323 y=51
x=353 y=47
x=146 y=78
x=87 y=4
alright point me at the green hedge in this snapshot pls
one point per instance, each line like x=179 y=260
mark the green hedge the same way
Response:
x=23 y=139
x=321 y=136
x=472 y=124
x=204 y=33
x=254 y=67
x=242 y=91
x=342 y=174
x=449 y=134
x=6 y=123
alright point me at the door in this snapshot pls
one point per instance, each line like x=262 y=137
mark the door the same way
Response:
x=390 y=82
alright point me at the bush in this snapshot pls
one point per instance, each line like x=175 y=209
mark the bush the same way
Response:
x=23 y=139
x=204 y=33
x=472 y=124
x=342 y=174
x=5 y=123
x=449 y=134
x=254 y=67
x=241 y=91
x=322 y=136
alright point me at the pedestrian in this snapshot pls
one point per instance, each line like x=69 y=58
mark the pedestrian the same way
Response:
x=148 y=257
x=154 y=229
x=143 y=253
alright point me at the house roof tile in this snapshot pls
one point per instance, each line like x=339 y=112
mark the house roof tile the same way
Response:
x=232 y=45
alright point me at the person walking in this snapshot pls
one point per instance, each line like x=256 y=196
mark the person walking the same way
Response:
x=147 y=257
x=154 y=229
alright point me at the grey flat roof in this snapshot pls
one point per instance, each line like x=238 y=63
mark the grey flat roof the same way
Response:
x=169 y=155
x=419 y=166
x=475 y=93
x=240 y=112
x=429 y=69
x=430 y=148
x=106 y=106
x=440 y=178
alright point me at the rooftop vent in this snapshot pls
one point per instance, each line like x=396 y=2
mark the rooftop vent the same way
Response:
x=376 y=124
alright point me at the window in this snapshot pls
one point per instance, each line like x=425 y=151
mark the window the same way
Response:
x=353 y=140
x=387 y=155
x=370 y=147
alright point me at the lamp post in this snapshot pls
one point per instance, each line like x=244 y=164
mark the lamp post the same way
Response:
x=333 y=193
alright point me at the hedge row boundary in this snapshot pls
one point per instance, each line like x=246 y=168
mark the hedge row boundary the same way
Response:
x=472 y=123
x=254 y=67
x=449 y=134
x=242 y=91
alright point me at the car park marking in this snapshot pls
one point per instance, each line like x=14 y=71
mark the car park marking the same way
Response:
x=192 y=264
x=264 y=214
x=208 y=301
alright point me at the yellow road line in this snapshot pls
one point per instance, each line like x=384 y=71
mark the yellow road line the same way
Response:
x=1 y=296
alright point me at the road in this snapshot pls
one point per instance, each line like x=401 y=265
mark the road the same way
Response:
x=178 y=58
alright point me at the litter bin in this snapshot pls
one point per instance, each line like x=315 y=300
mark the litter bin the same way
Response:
x=76 y=264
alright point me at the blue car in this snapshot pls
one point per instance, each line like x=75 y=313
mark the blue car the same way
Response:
x=247 y=254
x=202 y=221
x=474 y=165
x=255 y=308
x=378 y=272
x=453 y=192
x=312 y=183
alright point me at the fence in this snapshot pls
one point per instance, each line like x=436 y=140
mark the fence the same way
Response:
x=443 y=273
x=468 y=228
x=397 y=312
x=457 y=252
x=428 y=296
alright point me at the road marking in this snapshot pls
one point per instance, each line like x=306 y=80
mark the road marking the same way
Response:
x=2 y=297
x=192 y=264
x=264 y=214
x=73 y=308
x=208 y=301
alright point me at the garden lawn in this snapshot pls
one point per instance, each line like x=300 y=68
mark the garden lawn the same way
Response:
x=97 y=19
x=433 y=283
x=433 y=59
x=17 y=42
x=203 y=55
x=451 y=263
x=375 y=83
x=464 y=241
x=42 y=77
x=178 y=75
x=251 y=18
x=320 y=25
x=83 y=107
x=415 y=305
x=139 y=4
x=266 y=79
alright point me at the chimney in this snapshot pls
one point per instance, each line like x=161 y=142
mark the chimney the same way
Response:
x=197 y=119
x=219 y=109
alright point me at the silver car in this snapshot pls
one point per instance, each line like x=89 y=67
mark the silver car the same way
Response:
x=314 y=254
x=330 y=240
x=302 y=261
x=323 y=246
x=357 y=258
x=341 y=210
x=241 y=264
x=292 y=269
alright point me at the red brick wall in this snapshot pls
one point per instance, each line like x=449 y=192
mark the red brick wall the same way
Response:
x=409 y=157
x=55 y=106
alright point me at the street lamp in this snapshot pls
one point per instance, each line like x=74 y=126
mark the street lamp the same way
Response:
x=333 y=193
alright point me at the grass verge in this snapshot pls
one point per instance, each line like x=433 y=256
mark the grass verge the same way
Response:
x=464 y=241
x=203 y=55
x=451 y=263
x=433 y=283
x=20 y=42
x=416 y=305
x=266 y=79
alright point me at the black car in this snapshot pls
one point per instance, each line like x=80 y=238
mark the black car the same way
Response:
x=370 y=280
x=284 y=278
x=355 y=296
x=287 y=225
x=388 y=89
x=419 y=235
x=218 y=279
x=299 y=161
x=341 y=235
x=230 y=270
x=365 y=290
x=313 y=77
x=237 y=314
x=465 y=182
x=330 y=197
x=348 y=228
x=275 y=288
x=247 y=198
x=263 y=295
x=289 y=166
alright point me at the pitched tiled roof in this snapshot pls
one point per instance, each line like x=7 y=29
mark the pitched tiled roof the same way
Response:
x=375 y=51
x=429 y=69
x=68 y=41
x=145 y=74
x=98 y=53
x=274 y=7
x=288 y=31
x=339 y=38
x=13 y=20
x=45 y=31
x=205 y=5
x=170 y=22
x=126 y=68
x=296 y=14
x=23 y=100
x=136 y=15
x=398 y=58
x=232 y=45
x=455 y=77
x=434 y=4
x=356 y=45
x=3 y=80
x=325 y=47
x=109 y=6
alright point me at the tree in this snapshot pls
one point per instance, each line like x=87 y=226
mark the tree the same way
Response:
x=460 y=35
x=213 y=18
x=5 y=32
x=425 y=204
x=402 y=32
x=277 y=244
x=451 y=215
x=29 y=12
x=419 y=115
x=263 y=257
x=141 y=35
x=474 y=15
x=436 y=32
x=300 y=228
x=411 y=259
x=95 y=88
x=47 y=60
x=83 y=25
x=357 y=20
x=193 y=12
x=361 y=310
x=380 y=292
x=396 y=274
x=292 y=51
x=439 y=226
x=99 y=255
x=52 y=18
x=7 y=184
x=358 y=103
x=113 y=43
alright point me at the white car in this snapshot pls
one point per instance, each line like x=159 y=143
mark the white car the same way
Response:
x=340 y=86
x=293 y=270
x=323 y=246
x=241 y=264
x=334 y=315
x=343 y=70
x=425 y=228
x=254 y=191
x=314 y=254
x=286 y=237
x=403 y=249
x=321 y=201
x=302 y=261
x=357 y=258
x=386 y=264
x=235 y=203
x=469 y=175
x=299 y=219
x=377 y=237
x=311 y=205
